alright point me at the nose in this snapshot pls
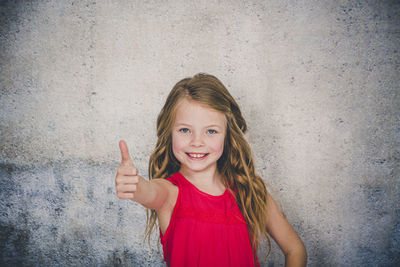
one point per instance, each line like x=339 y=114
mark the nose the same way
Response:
x=196 y=140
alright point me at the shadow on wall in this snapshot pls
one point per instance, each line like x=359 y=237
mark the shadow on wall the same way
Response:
x=67 y=214
x=14 y=238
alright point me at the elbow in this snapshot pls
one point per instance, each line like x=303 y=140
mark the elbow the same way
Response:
x=297 y=256
x=303 y=255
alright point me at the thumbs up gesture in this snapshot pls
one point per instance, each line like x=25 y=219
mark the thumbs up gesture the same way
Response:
x=127 y=178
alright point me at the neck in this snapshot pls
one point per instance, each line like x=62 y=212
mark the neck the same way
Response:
x=207 y=178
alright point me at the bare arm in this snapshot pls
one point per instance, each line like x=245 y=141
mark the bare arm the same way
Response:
x=152 y=194
x=285 y=236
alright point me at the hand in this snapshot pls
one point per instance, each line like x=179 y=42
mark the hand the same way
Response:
x=127 y=178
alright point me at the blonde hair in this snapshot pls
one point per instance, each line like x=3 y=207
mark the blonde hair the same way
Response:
x=236 y=164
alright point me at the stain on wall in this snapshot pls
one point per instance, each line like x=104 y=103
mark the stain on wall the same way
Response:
x=318 y=83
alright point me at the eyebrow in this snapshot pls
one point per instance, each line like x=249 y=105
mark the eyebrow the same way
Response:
x=208 y=126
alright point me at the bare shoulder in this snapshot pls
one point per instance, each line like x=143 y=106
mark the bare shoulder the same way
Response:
x=272 y=206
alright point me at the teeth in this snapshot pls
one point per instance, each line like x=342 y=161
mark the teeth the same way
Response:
x=197 y=155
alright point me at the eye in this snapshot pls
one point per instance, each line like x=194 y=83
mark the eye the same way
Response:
x=184 y=130
x=211 y=131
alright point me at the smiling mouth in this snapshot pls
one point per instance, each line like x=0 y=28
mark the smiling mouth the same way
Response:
x=197 y=155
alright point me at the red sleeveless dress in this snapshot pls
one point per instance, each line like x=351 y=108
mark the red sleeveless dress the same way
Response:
x=205 y=230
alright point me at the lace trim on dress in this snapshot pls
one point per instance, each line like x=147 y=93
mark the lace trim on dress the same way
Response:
x=215 y=216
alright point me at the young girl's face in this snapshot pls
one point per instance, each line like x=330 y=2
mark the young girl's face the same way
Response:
x=198 y=136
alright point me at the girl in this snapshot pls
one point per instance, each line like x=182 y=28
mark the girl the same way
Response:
x=212 y=208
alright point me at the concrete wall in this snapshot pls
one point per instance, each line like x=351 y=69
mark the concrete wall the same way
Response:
x=318 y=82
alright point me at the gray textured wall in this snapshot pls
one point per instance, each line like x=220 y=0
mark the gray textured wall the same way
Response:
x=318 y=82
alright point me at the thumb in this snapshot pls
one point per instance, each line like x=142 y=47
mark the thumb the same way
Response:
x=125 y=157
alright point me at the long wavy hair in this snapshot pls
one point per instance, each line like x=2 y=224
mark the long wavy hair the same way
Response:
x=236 y=165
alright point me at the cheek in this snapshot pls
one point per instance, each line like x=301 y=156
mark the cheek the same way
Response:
x=219 y=146
x=177 y=144
x=174 y=144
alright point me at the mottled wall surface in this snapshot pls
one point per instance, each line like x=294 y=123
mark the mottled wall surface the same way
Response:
x=318 y=82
